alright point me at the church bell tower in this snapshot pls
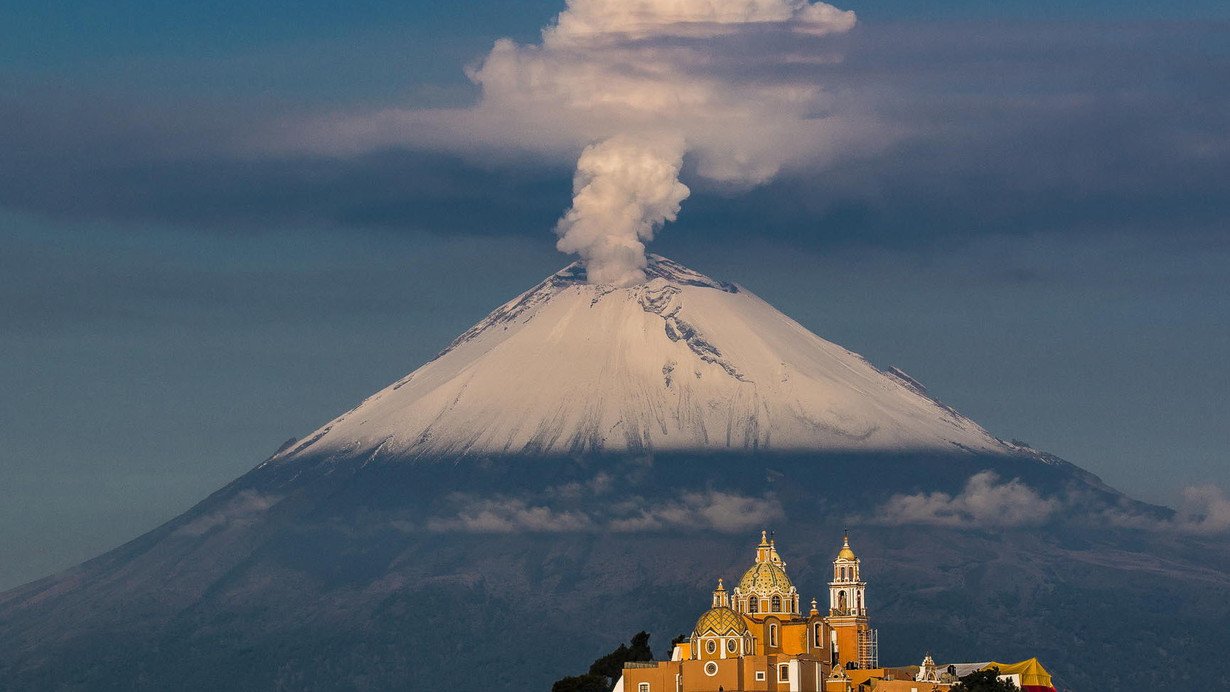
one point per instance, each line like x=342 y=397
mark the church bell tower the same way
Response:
x=854 y=643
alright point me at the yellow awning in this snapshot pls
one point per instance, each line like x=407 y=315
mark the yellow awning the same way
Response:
x=1032 y=673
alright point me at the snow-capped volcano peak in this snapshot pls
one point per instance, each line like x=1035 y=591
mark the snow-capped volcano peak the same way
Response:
x=680 y=362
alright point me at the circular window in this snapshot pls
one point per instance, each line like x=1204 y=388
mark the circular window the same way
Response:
x=732 y=645
x=711 y=646
x=711 y=668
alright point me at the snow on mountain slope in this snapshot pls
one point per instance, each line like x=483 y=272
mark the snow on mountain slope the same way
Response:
x=681 y=362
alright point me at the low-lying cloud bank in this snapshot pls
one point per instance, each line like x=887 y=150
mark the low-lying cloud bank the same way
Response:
x=707 y=510
x=987 y=501
x=508 y=515
x=712 y=510
x=1204 y=510
x=241 y=510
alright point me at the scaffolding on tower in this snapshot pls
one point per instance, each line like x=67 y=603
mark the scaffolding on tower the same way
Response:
x=868 y=649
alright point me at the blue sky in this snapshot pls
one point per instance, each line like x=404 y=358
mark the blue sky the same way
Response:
x=1047 y=251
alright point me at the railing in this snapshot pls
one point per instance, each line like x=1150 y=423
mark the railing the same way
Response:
x=641 y=664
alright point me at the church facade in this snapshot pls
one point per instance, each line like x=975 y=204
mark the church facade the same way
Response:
x=756 y=636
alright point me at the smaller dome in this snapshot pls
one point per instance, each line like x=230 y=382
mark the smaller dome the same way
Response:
x=720 y=621
x=846 y=553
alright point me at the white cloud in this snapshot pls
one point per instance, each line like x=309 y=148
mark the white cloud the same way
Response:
x=240 y=510
x=655 y=68
x=614 y=75
x=601 y=484
x=988 y=502
x=985 y=501
x=510 y=516
x=595 y=19
x=1205 y=510
x=711 y=510
x=691 y=511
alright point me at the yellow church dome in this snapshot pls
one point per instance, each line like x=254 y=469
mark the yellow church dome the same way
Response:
x=763 y=577
x=720 y=621
x=846 y=553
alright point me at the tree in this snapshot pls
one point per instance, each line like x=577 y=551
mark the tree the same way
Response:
x=638 y=648
x=984 y=681
x=606 y=670
x=611 y=665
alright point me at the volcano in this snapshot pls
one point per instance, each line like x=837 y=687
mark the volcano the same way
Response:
x=582 y=464
x=681 y=362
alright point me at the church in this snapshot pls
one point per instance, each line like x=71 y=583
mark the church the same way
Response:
x=756 y=636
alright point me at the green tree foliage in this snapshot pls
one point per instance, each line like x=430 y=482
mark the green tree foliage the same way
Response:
x=604 y=672
x=638 y=649
x=984 y=681
x=612 y=664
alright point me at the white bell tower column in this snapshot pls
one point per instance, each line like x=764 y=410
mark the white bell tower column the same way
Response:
x=854 y=642
x=847 y=590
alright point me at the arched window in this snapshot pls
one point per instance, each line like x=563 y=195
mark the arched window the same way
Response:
x=773 y=636
x=753 y=605
x=843 y=573
x=860 y=601
x=841 y=601
x=643 y=687
x=815 y=635
x=777 y=604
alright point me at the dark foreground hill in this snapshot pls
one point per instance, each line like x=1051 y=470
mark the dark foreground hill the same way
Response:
x=508 y=573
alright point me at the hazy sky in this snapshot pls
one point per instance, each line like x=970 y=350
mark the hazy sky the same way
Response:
x=1042 y=240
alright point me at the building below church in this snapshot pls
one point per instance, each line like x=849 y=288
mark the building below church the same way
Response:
x=755 y=637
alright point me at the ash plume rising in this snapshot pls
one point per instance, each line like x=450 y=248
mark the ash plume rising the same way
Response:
x=632 y=87
x=627 y=185
x=624 y=189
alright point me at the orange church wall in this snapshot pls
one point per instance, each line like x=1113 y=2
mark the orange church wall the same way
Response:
x=661 y=678
x=847 y=643
x=728 y=676
x=796 y=639
x=734 y=674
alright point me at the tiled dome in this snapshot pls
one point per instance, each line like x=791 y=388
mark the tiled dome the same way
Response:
x=765 y=577
x=720 y=621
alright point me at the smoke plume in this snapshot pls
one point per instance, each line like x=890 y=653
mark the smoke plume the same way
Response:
x=633 y=86
x=602 y=54
x=624 y=189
